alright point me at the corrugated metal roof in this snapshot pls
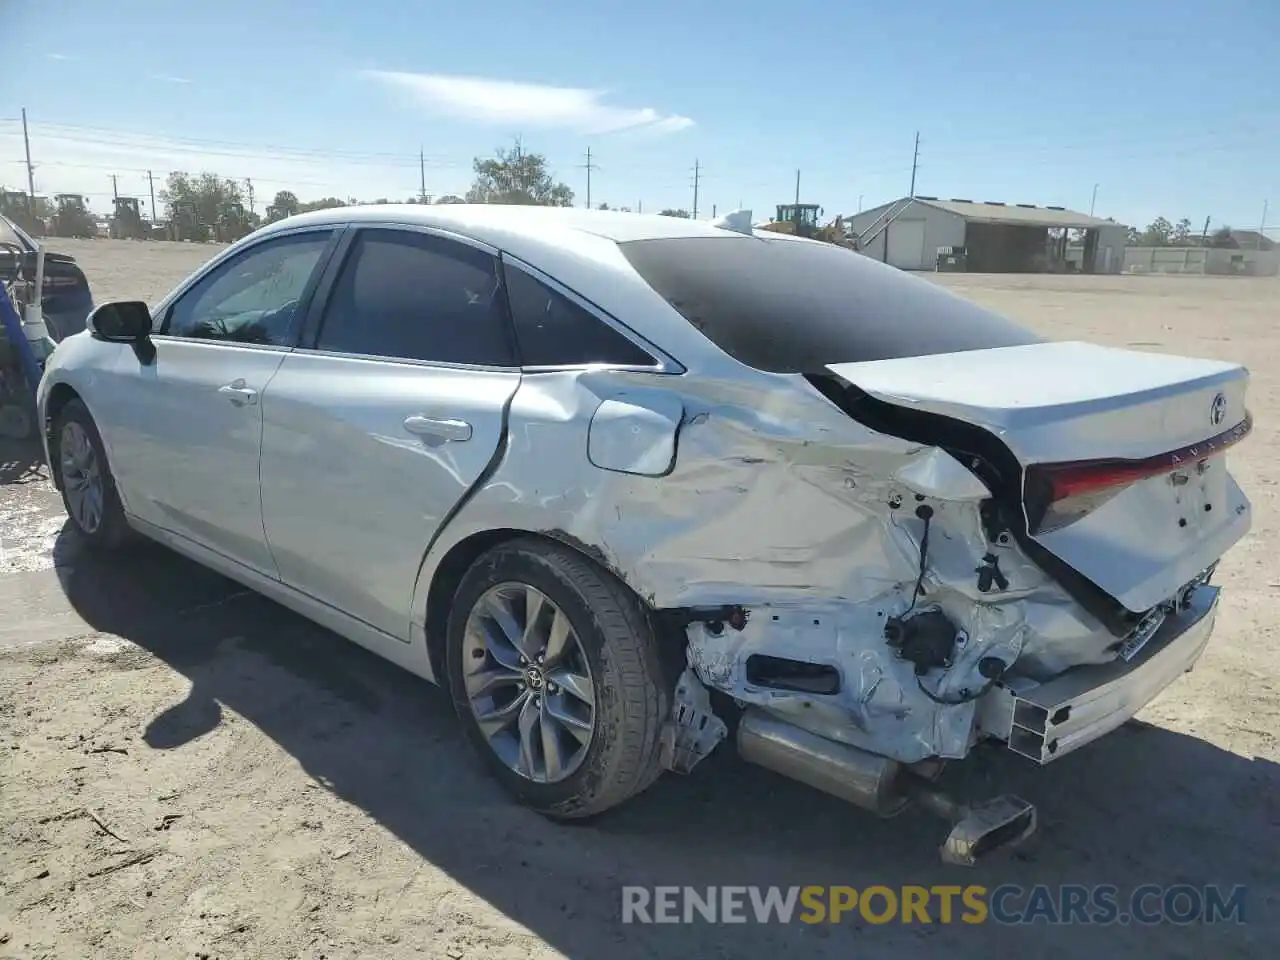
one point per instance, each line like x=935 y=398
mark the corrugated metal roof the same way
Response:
x=1015 y=213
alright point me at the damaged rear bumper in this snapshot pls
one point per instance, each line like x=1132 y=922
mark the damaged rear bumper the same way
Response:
x=1047 y=721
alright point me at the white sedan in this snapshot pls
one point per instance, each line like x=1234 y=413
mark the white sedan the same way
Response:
x=590 y=470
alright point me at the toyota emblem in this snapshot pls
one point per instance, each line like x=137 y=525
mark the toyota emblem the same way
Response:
x=1218 y=409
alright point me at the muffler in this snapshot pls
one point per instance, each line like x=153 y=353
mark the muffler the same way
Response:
x=882 y=786
x=864 y=779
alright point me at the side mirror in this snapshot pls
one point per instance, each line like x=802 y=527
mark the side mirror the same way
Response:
x=124 y=321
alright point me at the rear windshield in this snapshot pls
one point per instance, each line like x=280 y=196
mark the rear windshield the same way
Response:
x=791 y=307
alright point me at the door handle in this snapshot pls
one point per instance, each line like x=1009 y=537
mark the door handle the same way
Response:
x=442 y=429
x=238 y=393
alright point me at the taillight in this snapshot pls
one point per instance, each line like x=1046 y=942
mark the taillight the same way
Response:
x=1057 y=494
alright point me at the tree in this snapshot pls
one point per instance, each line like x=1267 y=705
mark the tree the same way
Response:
x=669 y=212
x=1159 y=233
x=450 y=198
x=209 y=192
x=603 y=206
x=517 y=177
x=1224 y=238
x=284 y=205
x=328 y=203
x=1182 y=233
x=1132 y=237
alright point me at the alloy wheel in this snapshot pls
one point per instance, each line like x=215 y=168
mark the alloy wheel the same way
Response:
x=81 y=477
x=528 y=682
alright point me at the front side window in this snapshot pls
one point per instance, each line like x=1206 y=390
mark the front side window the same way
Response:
x=415 y=296
x=553 y=331
x=253 y=298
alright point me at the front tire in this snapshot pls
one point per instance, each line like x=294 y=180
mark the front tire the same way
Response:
x=554 y=671
x=85 y=479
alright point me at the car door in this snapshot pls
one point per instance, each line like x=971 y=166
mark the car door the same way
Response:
x=186 y=428
x=383 y=419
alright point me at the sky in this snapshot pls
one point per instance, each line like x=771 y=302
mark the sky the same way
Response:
x=1169 y=109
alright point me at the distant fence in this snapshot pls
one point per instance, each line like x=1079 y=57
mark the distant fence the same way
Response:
x=1213 y=261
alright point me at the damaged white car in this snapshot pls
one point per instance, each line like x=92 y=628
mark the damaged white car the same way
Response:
x=588 y=468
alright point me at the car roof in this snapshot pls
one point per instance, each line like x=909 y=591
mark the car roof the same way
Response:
x=495 y=222
x=578 y=248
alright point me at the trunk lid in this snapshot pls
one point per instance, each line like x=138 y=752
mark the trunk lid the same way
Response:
x=1122 y=452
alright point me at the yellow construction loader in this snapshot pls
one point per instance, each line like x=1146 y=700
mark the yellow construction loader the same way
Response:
x=802 y=220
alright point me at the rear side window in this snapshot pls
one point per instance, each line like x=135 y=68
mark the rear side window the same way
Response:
x=414 y=296
x=786 y=306
x=553 y=331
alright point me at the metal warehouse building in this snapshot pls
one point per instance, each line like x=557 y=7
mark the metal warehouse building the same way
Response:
x=925 y=233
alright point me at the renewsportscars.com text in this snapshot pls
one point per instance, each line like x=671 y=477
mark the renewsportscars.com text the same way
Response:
x=1007 y=904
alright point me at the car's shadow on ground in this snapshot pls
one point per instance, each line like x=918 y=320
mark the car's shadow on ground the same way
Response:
x=1143 y=806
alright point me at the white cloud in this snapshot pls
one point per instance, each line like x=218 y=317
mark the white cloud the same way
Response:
x=167 y=78
x=510 y=103
x=59 y=56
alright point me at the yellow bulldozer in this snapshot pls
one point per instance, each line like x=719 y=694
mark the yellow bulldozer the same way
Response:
x=802 y=220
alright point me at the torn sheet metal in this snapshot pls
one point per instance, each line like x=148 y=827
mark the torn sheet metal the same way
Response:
x=779 y=502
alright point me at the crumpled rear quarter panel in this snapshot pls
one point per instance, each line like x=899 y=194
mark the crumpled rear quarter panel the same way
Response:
x=781 y=503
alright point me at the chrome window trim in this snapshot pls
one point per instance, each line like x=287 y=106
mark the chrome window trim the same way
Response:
x=663 y=361
x=403 y=361
x=212 y=342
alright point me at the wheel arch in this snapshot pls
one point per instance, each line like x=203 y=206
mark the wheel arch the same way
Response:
x=60 y=394
x=453 y=566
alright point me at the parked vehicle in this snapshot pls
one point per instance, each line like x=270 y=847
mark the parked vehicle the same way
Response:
x=586 y=469
x=50 y=300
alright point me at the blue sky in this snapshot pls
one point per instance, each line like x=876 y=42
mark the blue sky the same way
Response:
x=1172 y=109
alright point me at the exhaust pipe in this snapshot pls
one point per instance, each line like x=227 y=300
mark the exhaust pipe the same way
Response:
x=882 y=786
x=864 y=779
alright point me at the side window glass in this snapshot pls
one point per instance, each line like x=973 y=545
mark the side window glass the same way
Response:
x=253 y=298
x=553 y=331
x=414 y=296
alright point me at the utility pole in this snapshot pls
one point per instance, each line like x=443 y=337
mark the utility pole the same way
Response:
x=115 y=194
x=249 y=187
x=422 y=174
x=1094 y=200
x=697 y=173
x=152 y=184
x=713 y=211
x=589 y=166
x=1262 y=227
x=31 y=170
x=915 y=163
x=797 y=188
x=859 y=203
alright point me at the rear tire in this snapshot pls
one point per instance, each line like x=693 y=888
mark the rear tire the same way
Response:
x=535 y=737
x=85 y=479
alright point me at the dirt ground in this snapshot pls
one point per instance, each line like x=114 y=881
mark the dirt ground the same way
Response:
x=187 y=770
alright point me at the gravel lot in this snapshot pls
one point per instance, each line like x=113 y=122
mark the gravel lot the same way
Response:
x=187 y=770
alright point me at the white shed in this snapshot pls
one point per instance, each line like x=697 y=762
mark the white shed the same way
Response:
x=912 y=232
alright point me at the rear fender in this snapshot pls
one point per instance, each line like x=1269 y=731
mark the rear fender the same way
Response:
x=779 y=506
